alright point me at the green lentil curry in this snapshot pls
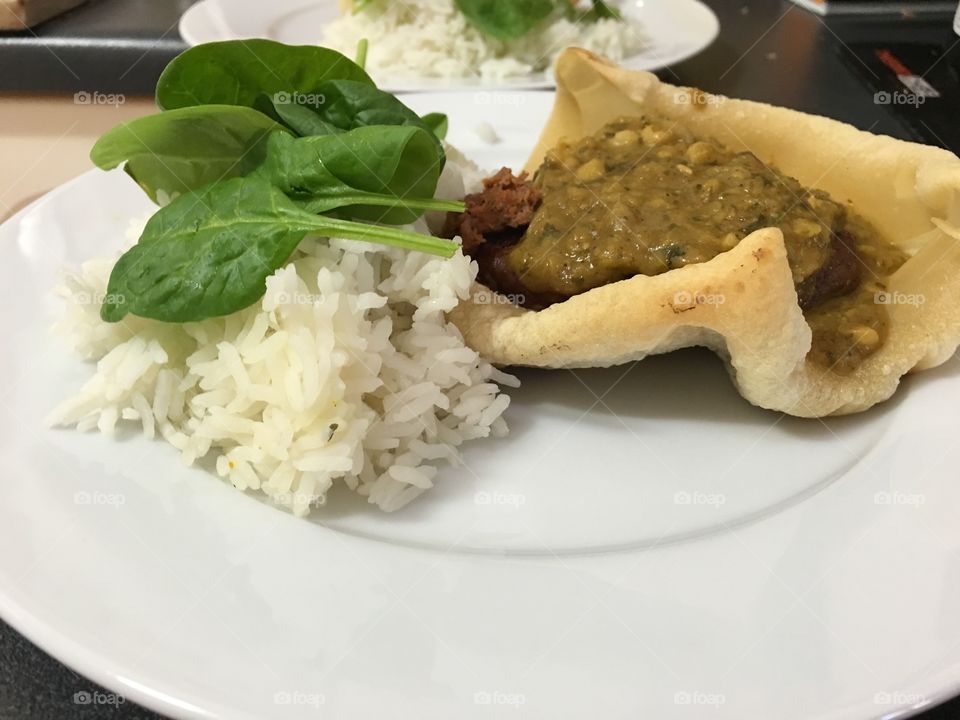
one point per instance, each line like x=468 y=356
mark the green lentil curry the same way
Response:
x=645 y=196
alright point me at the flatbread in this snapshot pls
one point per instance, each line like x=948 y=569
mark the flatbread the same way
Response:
x=742 y=304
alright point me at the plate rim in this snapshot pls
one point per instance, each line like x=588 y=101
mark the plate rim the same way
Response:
x=57 y=644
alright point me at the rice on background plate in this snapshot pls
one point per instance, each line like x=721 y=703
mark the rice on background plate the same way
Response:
x=433 y=39
x=346 y=370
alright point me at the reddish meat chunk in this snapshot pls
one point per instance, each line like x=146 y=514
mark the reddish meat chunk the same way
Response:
x=503 y=209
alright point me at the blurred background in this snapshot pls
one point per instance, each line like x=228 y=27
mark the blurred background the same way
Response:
x=70 y=69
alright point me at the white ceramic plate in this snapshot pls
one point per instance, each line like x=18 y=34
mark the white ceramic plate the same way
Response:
x=676 y=30
x=643 y=544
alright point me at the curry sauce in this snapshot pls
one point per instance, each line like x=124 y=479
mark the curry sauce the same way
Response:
x=645 y=196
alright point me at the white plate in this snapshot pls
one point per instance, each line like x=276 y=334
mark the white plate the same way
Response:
x=643 y=544
x=675 y=29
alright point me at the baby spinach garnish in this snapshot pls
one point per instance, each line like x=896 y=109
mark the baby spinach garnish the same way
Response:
x=438 y=123
x=506 y=19
x=340 y=105
x=209 y=253
x=263 y=144
x=237 y=72
x=302 y=120
x=603 y=10
x=347 y=104
x=371 y=173
x=362 y=48
x=183 y=150
x=511 y=19
x=599 y=10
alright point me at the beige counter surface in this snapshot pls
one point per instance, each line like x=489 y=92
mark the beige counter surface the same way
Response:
x=45 y=141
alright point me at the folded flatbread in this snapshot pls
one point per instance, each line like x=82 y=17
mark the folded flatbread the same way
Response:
x=910 y=192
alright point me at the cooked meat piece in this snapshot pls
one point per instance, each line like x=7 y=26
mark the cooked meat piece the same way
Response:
x=839 y=275
x=506 y=203
x=495 y=220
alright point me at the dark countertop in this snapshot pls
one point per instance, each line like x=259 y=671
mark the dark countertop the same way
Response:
x=769 y=50
x=110 y=46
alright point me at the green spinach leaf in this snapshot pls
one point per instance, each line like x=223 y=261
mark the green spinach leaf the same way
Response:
x=362 y=47
x=182 y=150
x=210 y=252
x=506 y=19
x=599 y=10
x=379 y=174
x=236 y=72
x=438 y=123
x=249 y=191
x=303 y=120
x=602 y=10
x=346 y=104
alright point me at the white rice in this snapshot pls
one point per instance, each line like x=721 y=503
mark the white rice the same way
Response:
x=347 y=370
x=432 y=38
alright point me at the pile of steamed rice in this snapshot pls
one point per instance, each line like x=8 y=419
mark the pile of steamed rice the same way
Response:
x=346 y=371
x=432 y=38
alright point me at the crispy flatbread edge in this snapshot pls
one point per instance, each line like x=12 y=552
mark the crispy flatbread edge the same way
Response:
x=742 y=303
